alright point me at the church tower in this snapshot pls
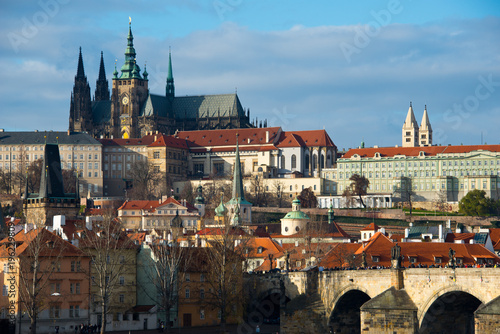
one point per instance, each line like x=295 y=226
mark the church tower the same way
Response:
x=410 y=129
x=425 y=131
x=129 y=93
x=80 y=112
x=240 y=210
x=101 y=85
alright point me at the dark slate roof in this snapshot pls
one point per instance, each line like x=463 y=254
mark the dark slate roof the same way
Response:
x=480 y=238
x=223 y=105
x=416 y=232
x=53 y=137
x=191 y=107
x=101 y=111
x=156 y=105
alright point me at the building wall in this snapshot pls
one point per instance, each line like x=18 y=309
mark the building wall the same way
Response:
x=86 y=159
x=454 y=174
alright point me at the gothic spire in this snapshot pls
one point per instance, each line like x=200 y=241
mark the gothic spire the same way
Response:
x=170 y=78
x=80 y=72
x=101 y=88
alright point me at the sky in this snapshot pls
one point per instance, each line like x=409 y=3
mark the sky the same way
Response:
x=349 y=67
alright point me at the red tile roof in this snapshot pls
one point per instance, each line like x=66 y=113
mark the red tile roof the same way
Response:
x=371 y=227
x=169 y=141
x=269 y=246
x=227 y=137
x=379 y=245
x=146 y=140
x=415 y=151
x=220 y=231
x=305 y=139
x=339 y=256
x=139 y=205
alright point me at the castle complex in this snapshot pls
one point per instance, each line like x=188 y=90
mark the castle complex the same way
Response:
x=131 y=111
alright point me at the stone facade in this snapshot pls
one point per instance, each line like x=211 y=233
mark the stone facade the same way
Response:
x=426 y=288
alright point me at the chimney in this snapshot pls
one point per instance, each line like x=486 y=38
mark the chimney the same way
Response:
x=407 y=233
x=296 y=243
x=88 y=223
x=440 y=236
x=471 y=241
x=267 y=136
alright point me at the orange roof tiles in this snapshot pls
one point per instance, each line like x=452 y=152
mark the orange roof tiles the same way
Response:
x=169 y=141
x=268 y=246
x=305 y=139
x=427 y=252
x=415 y=151
x=146 y=140
x=371 y=227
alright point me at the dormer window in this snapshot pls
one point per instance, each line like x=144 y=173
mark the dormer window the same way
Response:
x=412 y=258
x=437 y=259
x=376 y=258
x=259 y=250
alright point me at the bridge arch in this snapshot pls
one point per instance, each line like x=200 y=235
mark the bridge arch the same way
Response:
x=344 y=312
x=450 y=309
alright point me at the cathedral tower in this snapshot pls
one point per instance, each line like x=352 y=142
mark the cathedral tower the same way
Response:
x=425 y=131
x=410 y=129
x=130 y=91
x=80 y=112
x=101 y=85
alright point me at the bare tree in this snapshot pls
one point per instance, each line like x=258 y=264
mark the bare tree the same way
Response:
x=258 y=193
x=34 y=175
x=188 y=192
x=38 y=263
x=224 y=260
x=162 y=270
x=279 y=188
x=112 y=255
x=441 y=201
x=146 y=180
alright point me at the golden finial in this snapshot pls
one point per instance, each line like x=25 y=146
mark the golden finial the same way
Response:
x=129 y=20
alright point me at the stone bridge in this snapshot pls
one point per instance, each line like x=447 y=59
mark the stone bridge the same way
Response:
x=417 y=300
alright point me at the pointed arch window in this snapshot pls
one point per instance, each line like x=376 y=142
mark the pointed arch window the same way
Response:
x=307 y=162
x=294 y=161
x=283 y=162
x=315 y=162
x=322 y=164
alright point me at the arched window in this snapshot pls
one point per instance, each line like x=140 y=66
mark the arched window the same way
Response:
x=322 y=164
x=307 y=162
x=282 y=162
x=315 y=162
x=294 y=161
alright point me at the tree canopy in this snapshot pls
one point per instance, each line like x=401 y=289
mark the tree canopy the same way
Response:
x=475 y=203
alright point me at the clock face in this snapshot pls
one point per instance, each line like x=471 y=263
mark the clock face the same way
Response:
x=125 y=100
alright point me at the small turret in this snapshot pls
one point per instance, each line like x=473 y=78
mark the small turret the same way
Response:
x=170 y=91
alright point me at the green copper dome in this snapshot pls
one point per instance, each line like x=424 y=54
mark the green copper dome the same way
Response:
x=221 y=209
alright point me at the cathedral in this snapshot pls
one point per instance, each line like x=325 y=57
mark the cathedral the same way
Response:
x=131 y=111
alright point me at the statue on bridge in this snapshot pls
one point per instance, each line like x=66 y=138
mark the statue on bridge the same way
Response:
x=364 y=264
x=453 y=262
x=396 y=256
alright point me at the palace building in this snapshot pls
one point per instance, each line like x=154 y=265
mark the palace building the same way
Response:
x=131 y=111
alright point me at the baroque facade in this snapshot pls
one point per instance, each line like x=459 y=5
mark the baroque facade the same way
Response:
x=131 y=111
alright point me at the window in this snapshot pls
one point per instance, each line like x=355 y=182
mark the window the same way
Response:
x=202 y=278
x=188 y=277
x=283 y=162
x=55 y=311
x=202 y=314
x=202 y=293
x=122 y=299
x=122 y=280
x=156 y=155
x=219 y=168
x=187 y=293
x=4 y=290
x=294 y=161
x=74 y=311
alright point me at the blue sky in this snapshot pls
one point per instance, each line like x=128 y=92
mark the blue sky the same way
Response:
x=351 y=67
